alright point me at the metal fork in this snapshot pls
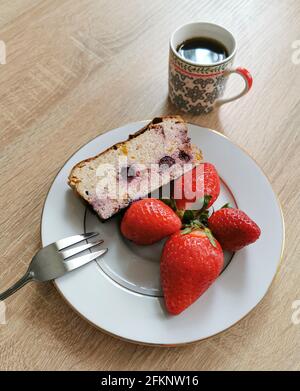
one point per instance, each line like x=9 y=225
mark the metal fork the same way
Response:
x=57 y=259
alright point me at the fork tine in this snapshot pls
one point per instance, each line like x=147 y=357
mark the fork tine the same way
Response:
x=67 y=242
x=74 y=251
x=84 y=259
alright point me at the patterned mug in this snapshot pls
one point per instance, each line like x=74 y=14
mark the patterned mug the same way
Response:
x=197 y=88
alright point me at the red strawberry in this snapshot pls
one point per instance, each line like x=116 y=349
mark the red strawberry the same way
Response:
x=149 y=220
x=202 y=181
x=233 y=228
x=190 y=263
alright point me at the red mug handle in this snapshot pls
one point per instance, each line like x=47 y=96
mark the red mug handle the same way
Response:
x=246 y=75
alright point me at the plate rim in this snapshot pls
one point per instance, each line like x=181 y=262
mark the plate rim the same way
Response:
x=200 y=339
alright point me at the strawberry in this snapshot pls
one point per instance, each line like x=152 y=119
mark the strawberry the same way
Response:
x=149 y=220
x=202 y=181
x=233 y=228
x=190 y=263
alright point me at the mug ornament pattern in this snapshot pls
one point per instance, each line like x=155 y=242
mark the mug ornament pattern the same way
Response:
x=195 y=88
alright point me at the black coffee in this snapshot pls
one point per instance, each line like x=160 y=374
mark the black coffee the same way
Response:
x=202 y=50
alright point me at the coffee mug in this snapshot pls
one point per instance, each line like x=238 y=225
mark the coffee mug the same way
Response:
x=197 y=88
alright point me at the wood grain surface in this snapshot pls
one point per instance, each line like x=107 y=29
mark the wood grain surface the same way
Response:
x=76 y=69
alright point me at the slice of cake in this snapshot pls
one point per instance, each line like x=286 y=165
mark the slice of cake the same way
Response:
x=127 y=171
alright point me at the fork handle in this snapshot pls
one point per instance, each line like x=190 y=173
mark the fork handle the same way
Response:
x=23 y=281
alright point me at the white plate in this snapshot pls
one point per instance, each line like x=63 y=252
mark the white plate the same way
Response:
x=121 y=292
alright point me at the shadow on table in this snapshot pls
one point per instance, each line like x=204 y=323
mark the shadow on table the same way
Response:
x=211 y=120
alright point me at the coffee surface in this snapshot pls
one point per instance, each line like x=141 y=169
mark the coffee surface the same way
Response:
x=202 y=50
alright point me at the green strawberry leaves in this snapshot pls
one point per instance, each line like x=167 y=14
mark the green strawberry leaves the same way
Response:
x=205 y=201
x=227 y=206
x=210 y=237
x=197 y=225
x=189 y=215
x=186 y=230
x=201 y=214
x=194 y=219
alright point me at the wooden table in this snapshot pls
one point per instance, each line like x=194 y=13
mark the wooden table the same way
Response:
x=75 y=69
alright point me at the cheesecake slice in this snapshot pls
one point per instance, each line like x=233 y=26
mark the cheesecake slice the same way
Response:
x=152 y=157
